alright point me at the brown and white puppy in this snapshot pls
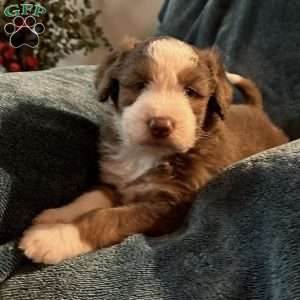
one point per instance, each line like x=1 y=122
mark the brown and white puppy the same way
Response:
x=174 y=129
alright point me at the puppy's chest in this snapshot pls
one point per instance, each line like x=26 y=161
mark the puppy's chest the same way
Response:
x=133 y=173
x=123 y=172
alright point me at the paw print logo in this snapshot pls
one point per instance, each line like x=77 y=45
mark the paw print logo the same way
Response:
x=24 y=32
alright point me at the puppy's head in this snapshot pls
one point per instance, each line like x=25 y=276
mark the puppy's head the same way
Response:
x=166 y=92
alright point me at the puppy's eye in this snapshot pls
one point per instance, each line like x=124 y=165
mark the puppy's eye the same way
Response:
x=138 y=86
x=191 y=93
x=134 y=86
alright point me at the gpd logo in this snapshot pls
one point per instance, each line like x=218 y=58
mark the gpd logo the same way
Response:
x=24 y=29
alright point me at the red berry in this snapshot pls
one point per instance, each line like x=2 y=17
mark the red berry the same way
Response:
x=31 y=62
x=1 y=60
x=14 y=67
x=3 y=46
x=9 y=53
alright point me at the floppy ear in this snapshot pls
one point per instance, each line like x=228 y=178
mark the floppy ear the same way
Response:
x=222 y=96
x=107 y=82
x=104 y=77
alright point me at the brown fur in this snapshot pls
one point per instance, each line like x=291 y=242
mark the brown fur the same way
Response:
x=153 y=182
x=245 y=131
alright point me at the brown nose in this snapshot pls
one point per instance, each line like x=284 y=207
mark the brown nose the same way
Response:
x=161 y=127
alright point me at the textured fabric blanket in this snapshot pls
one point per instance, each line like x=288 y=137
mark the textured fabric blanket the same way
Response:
x=241 y=238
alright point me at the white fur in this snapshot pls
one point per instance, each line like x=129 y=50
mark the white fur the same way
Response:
x=127 y=163
x=234 y=78
x=52 y=243
x=154 y=102
x=171 y=56
x=81 y=205
x=164 y=97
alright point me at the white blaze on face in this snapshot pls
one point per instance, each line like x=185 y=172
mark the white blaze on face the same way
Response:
x=163 y=97
x=170 y=57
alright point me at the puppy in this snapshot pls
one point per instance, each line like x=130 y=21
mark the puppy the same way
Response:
x=173 y=129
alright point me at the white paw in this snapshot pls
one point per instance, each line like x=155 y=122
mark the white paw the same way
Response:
x=52 y=243
x=52 y=216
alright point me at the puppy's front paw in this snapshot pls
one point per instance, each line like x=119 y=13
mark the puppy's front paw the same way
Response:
x=52 y=216
x=52 y=243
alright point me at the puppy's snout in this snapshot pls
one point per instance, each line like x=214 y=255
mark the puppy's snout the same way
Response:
x=161 y=127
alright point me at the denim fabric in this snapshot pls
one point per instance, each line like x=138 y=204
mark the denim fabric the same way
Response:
x=257 y=39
